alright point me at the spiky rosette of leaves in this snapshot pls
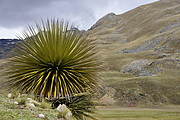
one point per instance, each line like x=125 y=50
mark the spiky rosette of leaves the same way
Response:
x=82 y=107
x=54 y=60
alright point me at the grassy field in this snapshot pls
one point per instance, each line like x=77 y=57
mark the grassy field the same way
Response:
x=9 y=111
x=134 y=86
x=139 y=114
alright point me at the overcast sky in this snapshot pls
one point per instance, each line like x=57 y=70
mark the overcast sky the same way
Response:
x=16 y=15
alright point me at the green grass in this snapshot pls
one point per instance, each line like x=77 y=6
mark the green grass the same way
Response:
x=9 y=111
x=138 y=114
x=144 y=90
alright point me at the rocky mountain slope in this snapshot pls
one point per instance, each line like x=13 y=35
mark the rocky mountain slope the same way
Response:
x=149 y=31
x=5 y=47
x=140 y=52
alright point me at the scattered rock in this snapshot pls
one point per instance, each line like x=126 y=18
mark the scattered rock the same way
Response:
x=64 y=112
x=16 y=103
x=137 y=65
x=171 y=26
x=9 y=95
x=31 y=105
x=176 y=56
x=142 y=67
x=30 y=100
x=41 y=115
x=161 y=48
x=164 y=55
x=107 y=99
x=148 y=45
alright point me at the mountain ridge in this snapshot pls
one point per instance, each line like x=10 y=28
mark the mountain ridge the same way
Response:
x=140 y=50
x=5 y=47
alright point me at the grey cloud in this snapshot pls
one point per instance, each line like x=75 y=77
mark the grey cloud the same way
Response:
x=15 y=13
x=84 y=13
x=18 y=12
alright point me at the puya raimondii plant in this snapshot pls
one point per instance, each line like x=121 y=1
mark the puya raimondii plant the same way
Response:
x=53 y=60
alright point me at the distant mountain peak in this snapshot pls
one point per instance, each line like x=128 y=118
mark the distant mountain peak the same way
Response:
x=110 y=17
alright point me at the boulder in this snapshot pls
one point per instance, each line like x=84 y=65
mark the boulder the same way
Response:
x=41 y=115
x=16 y=103
x=64 y=112
x=9 y=95
x=30 y=100
x=31 y=105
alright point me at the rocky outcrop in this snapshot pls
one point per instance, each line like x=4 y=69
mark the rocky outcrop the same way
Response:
x=148 y=45
x=140 y=68
x=5 y=47
x=110 y=17
x=64 y=112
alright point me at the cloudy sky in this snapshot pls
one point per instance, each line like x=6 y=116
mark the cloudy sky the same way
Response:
x=16 y=15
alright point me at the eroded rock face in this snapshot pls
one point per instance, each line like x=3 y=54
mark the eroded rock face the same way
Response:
x=148 y=45
x=140 y=68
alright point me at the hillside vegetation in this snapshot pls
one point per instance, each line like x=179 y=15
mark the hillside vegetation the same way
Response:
x=140 y=51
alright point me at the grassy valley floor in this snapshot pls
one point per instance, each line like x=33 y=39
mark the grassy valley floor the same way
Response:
x=119 y=113
x=10 y=111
